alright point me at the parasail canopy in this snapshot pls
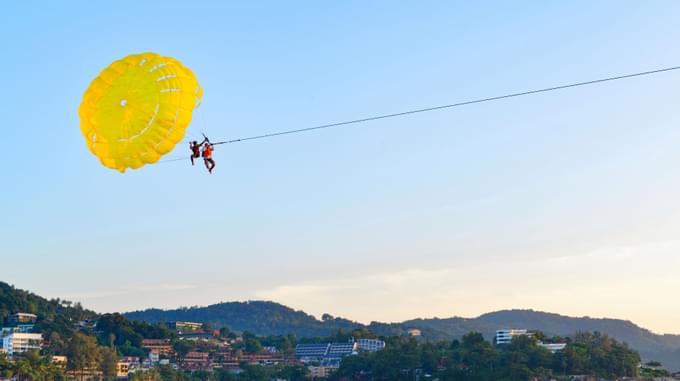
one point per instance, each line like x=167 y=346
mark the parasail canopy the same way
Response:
x=138 y=109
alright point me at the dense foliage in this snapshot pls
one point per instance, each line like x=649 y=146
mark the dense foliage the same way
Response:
x=267 y=318
x=89 y=346
x=116 y=330
x=665 y=348
x=249 y=373
x=54 y=315
x=474 y=358
x=263 y=318
x=31 y=366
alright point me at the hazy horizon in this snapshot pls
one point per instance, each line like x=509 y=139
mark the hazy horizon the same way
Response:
x=564 y=202
x=318 y=315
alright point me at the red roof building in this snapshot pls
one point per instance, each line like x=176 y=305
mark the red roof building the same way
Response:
x=158 y=346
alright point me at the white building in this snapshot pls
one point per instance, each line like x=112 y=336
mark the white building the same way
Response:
x=370 y=345
x=21 y=342
x=414 y=332
x=340 y=350
x=24 y=328
x=312 y=352
x=321 y=371
x=21 y=328
x=554 y=347
x=22 y=318
x=504 y=336
x=154 y=357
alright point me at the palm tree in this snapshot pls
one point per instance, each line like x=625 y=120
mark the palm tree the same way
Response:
x=23 y=371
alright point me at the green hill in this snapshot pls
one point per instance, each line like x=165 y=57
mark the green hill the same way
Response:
x=665 y=348
x=53 y=315
x=269 y=318
x=259 y=317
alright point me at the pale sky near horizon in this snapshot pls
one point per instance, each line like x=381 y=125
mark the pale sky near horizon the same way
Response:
x=564 y=202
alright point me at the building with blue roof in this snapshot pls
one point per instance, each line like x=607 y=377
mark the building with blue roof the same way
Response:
x=312 y=352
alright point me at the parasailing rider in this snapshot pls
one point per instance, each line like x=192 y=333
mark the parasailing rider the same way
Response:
x=207 y=156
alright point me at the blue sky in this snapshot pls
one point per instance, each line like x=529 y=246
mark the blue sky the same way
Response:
x=564 y=201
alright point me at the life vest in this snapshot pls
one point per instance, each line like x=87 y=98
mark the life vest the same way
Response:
x=207 y=151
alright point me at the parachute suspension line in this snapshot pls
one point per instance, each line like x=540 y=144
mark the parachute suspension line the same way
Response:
x=465 y=103
x=191 y=136
x=176 y=159
x=201 y=115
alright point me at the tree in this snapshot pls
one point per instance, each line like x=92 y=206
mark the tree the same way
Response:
x=57 y=344
x=32 y=367
x=109 y=363
x=167 y=373
x=256 y=372
x=429 y=357
x=149 y=375
x=252 y=343
x=293 y=373
x=653 y=369
x=253 y=346
x=83 y=353
x=224 y=332
x=23 y=371
x=6 y=368
x=182 y=347
x=353 y=367
x=363 y=333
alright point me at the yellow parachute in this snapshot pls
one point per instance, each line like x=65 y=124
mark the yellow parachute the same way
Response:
x=138 y=109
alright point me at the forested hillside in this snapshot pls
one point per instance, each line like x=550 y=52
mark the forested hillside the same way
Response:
x=269 y=318
x=53 y=315
x=262 y=318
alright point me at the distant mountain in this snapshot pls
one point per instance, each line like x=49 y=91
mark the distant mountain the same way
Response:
x=664 y=348
x=259 y=317
x=269 y=318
